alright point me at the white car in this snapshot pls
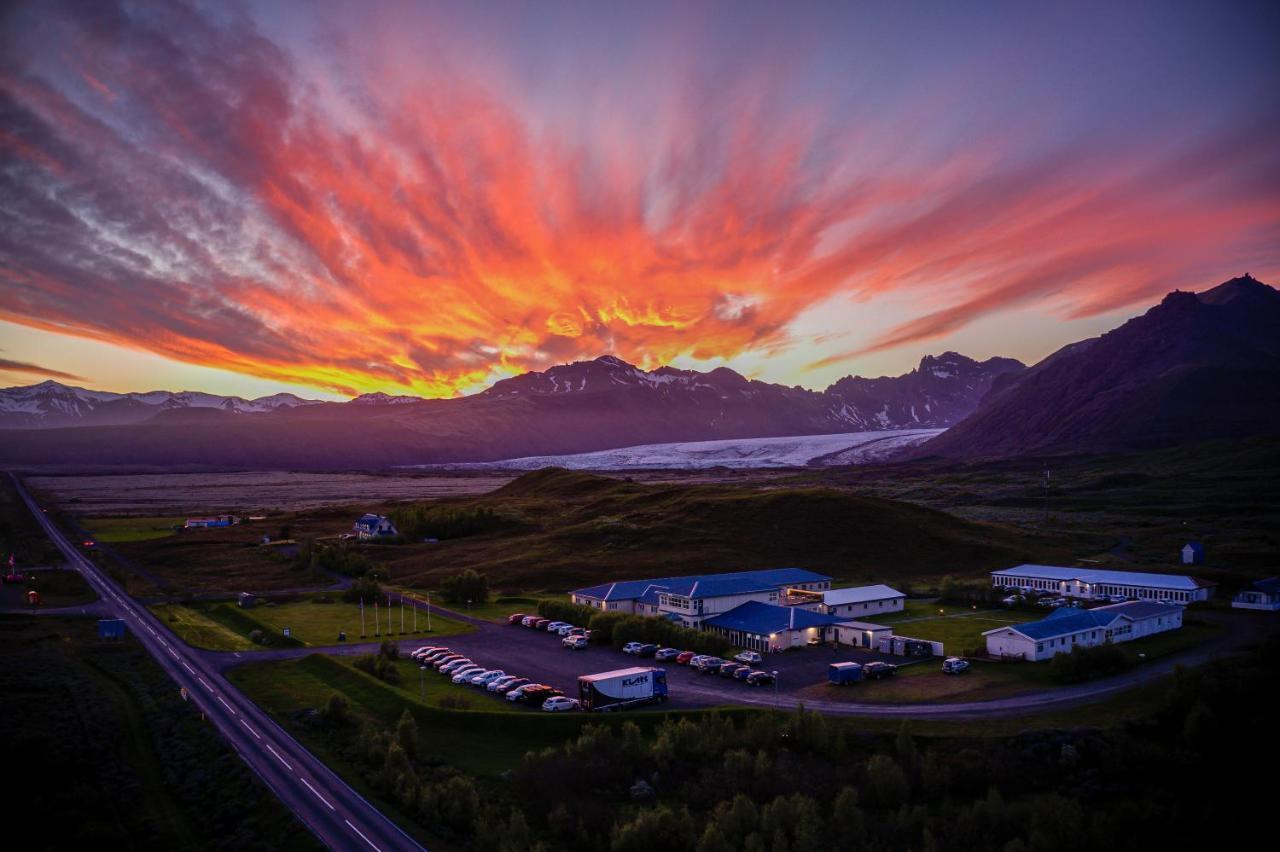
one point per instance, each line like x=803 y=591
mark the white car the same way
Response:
x=564 y=631
x=485 y=678
x=632 y=647
x=574 y=643
x=518 y=693
x=750 y=658
x=456 y=665
x=465 y=674
x=556 y=625
x=560 y=703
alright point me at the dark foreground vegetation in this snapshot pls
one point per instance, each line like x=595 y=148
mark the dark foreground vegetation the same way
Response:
x=759 y=780
x=619 y=628
x=102 y=752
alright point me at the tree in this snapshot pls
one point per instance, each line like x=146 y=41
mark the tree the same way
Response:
x=467 y=587
x=887 y=781
x=336 y=710
x=847 y=820
x=407 y=733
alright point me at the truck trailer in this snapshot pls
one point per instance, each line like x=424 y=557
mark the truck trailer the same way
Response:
x=622 y=688
x=841 y=673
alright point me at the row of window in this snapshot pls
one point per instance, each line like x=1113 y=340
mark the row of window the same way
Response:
x=1101 y=589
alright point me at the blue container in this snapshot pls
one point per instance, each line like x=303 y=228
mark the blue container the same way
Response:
x=111 y=628
x=844 y=672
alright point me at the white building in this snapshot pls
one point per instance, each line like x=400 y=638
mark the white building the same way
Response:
x=371 y=527
x=1100 y=584
x=1066 y=628
x=691 y=600
x=1263 y=595
x=863 y=601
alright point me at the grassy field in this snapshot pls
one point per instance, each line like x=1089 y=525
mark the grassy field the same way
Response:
x=959 y=629
x=111 y=757
x=313 y=620
x=499 y=608
x=114 y=530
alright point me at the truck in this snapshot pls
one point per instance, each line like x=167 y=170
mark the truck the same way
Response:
x=622 y=688
x=842 y=673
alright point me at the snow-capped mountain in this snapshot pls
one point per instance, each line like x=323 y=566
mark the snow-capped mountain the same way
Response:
x=50 y=404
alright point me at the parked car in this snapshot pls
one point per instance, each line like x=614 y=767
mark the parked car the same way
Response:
x=632 y=648
x=879 y=671
x=541 y=623
x=518 y=692
x=535 y=697
x=750 y=658
x=1012 y=600
x=440 y=662
x=664 y=654
x=556 y=625
x=647 y=650
x=742 y=673
x=683 y=658
x=485 y=678
x=567 y=629
x=955 y=665
x=499 y=682
x=559 y=704
x=528 y=620
x=759 y=679
x=453 y=665
x=423 y=651
x=730 y=669
x=575 y=643
x=516 y=617
x=463 y=674
x=436 y=656
x=508 y=685
x=710 y=665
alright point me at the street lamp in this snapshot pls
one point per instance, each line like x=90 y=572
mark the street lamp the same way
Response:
x=422 y=683
x=775 y=689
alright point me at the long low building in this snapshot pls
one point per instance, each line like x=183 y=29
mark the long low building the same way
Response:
x=1262 y=595
x=863 y=601
x=1101 y=584
x=696 y=598
x=1068 y=628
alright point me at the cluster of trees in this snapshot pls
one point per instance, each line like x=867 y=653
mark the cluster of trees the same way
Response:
x=382 y=665
x=619 y=628
x=467 y=587
x=444 y=521
x=1087 y=663
x=321 y=558
x=366 y=588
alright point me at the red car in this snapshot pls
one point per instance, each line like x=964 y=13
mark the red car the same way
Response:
x=684 y=657
x=515 y=618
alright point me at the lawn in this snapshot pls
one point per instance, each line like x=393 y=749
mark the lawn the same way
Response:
x=497 y=609
x=313 y=620
x=112 y=530
x=959 y=629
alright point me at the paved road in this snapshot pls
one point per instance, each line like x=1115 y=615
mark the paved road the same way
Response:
x=337 y=814
x=540 y=656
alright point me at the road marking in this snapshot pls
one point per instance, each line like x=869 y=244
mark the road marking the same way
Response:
x=279 y=758
x=250 y=730
x=361 y=833
x=317 y=792
x=188 y=665
x=226 y=705
x=202 y=683
x=175 y=654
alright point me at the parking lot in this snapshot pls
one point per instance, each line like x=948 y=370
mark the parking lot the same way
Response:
x=540 y=656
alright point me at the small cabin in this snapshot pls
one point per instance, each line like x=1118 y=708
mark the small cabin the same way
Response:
x=1193 y=553
x=373 y=527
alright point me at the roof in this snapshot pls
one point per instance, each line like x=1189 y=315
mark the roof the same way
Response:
x=1138 y=610
x=704 y=585
x=861 y=594
x=634 y=670
x=1060 y=623
x=1195 y=545
x=1271 y=585
x=1180 y=582
x=762 y=618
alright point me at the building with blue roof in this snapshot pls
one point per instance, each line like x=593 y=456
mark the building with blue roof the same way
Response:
x=372 y=527
x=1103 y=584
x=696 y=598
x=1066 y=628
x=766 y=627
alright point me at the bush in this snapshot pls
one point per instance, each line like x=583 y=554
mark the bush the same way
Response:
x=363 y=589
x=444 y=521
x=467 y=587
x=1087 y=663
x=257 y=636
x=565 y=611
x=660 y=631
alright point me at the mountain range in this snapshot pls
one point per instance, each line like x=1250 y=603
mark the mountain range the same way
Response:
x=571 y=408
x=1194 y=368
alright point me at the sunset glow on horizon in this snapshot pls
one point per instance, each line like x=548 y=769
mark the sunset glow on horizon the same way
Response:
x=423 y=198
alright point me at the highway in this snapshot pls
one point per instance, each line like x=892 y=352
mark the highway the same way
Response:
x=339 y=816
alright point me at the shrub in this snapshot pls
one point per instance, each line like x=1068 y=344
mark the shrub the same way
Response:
x=363 y=589
x=257 y=636
x=565 y=611
x=467 y=587
x=444 y=521
x=1087 y=663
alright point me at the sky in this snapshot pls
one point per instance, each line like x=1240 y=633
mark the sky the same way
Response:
x=338 y=198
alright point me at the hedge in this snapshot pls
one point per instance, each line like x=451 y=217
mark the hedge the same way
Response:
x=619 y=628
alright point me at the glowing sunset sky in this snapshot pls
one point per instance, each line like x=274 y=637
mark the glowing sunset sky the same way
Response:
x=421 y=198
